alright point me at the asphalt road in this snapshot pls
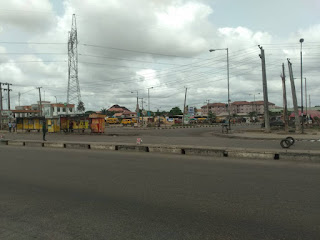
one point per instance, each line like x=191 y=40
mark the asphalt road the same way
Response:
x=70 y=194
x=189 y=136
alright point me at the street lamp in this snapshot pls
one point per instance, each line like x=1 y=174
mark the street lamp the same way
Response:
x=301 y=41
x=137 y=108
x=227 y=49
x=149 y=98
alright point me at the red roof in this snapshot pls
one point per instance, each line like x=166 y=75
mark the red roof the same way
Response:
x=25 y=111
x=241 y=103
x=214 y=105
x=312 y=113
x=262 y=102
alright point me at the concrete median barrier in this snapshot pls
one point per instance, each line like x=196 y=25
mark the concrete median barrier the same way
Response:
x=255 y=154
x=33 y=144
x=77 y=145
x=132 y=148
x=295 y=155
x=165 y=149
x=16 y=143
x=105 y=147
x=53 y=145
x=217 y=152
x=238 y=153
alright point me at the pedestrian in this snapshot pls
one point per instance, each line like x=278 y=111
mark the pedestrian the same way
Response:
x=44 y=130
x=10 y=126
x=70 y=126
x=14 y=126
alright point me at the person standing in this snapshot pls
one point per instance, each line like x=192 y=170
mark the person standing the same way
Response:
x=14 y=126
x=70 y=126
x=10 y=126
x=44 y=129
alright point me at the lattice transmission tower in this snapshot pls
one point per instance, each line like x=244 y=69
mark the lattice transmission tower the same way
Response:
x=73 y=95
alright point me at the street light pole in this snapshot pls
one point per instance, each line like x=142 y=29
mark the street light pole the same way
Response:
x=301 y=41
x=306 y=96
x=149 y=99
x=137 y=107
x=228 y=109
x=56 y=99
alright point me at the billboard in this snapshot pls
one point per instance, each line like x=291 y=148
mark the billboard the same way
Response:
x=191 y=110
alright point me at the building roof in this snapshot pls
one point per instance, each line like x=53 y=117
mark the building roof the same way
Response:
x=62 y=105
x=118 y=114
x=117 y=108
x=312 y=113
x=262 y=102
x=25 y=111
x=241 y=103
x=214 y=105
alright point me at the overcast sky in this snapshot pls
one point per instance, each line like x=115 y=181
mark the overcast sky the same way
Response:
x=133 y=45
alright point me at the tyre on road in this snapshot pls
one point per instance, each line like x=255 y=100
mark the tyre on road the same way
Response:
x=285 y=143
x=291 y=139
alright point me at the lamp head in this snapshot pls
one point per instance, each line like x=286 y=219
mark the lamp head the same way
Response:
x=211 y=50
x=301 y=40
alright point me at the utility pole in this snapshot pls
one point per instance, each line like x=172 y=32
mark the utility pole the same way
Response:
x=137 y=107
x=1 y=105
x=19 y=96
x=302 y=121
x=149 y=99
x=265 y=91
x=285 y=106
x=8 y=89
x=294 y=97
x=309 y=101
x=184 y=105
x=142 y=111
x=208 y=100
x=40 y=101
x=306 y=96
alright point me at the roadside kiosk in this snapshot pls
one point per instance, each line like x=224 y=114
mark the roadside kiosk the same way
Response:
x=97 y=123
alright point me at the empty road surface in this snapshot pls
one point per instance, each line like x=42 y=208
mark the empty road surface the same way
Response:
x=75 y=194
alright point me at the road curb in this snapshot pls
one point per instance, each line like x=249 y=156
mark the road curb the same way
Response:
x=262 y=138
x=248 y=153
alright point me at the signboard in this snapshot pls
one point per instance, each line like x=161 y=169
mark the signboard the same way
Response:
x=7 y=113
x=47 y=111
x=191 y=110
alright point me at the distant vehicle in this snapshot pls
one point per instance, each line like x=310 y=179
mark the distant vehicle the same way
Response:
x=112 y=120
x=127 y=122
x=274 y=124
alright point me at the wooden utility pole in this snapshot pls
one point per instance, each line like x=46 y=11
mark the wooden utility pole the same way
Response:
x=184 y=105
x=285 y=106
x=294 y=97
x=40 y=101
x=265 y=91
